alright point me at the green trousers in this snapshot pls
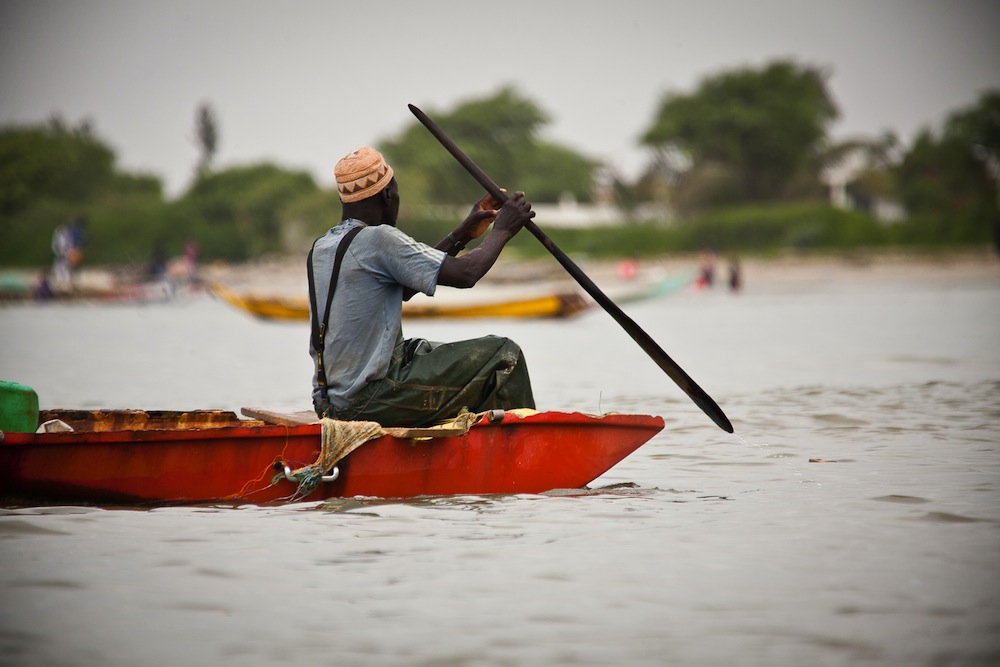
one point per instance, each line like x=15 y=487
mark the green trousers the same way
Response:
x=428 y=383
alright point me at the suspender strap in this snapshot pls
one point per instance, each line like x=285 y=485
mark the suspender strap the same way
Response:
x=319 y=328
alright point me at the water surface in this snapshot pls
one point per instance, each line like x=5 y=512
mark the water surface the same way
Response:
x=854 y=517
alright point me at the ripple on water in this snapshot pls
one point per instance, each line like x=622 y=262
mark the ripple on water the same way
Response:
x=839 y=420
x=906 y=500
x=48 y=583
x=948 y=517
x=16 y=527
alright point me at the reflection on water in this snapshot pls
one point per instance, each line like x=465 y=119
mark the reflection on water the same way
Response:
x=854 y=518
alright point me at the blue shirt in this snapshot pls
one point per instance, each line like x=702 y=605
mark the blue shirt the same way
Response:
x=366 y=313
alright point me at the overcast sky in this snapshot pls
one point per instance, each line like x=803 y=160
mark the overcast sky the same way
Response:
x=303 y=82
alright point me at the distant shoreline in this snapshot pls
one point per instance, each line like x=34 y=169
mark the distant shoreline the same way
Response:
x=277 y=275
x=789 y=271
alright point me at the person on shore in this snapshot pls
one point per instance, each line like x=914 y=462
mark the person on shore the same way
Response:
x=191 y=261
x=706 y=269
x=364 y=369
x=735 y=275
x=628 y=268
x=67 y=249
x=157 y=269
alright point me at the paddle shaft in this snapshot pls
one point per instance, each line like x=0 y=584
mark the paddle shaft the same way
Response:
x=645 y=341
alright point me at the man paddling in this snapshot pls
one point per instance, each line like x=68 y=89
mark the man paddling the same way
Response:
x=364 y=369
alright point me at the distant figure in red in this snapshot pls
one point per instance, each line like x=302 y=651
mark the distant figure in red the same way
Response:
x=706 y=272
x=191 y=260
x=628 y=268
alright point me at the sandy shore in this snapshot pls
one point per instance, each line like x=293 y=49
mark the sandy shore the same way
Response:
x=280 y=276
x=798 y=272
x=788 y=272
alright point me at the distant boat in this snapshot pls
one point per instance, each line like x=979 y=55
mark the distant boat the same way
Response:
x=138 y=293
x=645 y=291
x=557 y=304
x=23 y=286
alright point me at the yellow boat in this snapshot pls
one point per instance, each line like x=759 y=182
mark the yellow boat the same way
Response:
x=560 y=304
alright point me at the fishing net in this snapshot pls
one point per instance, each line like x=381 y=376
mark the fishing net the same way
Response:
x=339 y=439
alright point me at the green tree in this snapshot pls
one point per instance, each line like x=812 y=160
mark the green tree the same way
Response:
x=236 y=213
x=945 y=179
x=52 y=162
x=309 y=216
x=978 y=124
x=51 y=172
x=749 y=132
x=502 y=134
x=875 y=162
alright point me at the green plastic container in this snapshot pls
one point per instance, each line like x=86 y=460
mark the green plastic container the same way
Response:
x=18 y=408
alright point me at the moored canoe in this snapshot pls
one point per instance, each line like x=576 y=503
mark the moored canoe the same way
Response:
x=556 y=304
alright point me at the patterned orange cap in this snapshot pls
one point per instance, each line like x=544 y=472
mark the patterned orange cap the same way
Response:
x=361 y=174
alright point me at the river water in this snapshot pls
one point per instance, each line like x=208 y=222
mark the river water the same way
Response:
x=853 y=519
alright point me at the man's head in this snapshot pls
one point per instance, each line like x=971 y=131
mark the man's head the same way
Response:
x=361 y=174
x=365 y=182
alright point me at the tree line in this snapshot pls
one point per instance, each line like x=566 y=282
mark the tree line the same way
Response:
x=741 y=161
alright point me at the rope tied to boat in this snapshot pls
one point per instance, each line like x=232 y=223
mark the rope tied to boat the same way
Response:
x=339 y=438
x=464 y=420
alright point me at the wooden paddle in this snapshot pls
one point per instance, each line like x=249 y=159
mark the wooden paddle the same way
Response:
x=655 y=352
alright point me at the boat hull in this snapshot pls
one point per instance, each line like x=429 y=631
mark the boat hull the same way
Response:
x=237 y=463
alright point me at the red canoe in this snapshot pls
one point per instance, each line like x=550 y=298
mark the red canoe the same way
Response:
x=138 y=457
